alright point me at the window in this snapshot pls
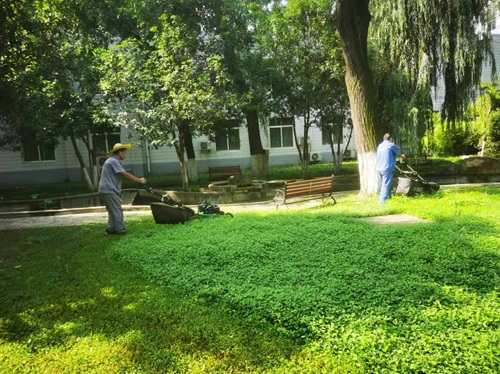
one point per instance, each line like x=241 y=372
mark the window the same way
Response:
x=281 y=132
x=36 y=152
x=227 y=136
x=104 y=142
x=337 y=134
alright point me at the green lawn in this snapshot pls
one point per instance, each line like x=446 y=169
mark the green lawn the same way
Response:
x=310 y=291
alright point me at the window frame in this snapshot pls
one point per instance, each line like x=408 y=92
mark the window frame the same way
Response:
x=107 y=144
x=225 y=133
x=42 y=151
x=336 y=134
x=281 y=124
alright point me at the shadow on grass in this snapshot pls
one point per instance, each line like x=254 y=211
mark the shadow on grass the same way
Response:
x=62 y=286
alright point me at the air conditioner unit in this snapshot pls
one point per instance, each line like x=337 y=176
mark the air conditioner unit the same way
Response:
x=315 y=157
x=349 y=153
x=205 y=146
x=301 y=140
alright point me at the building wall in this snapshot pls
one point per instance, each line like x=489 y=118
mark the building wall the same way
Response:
x=143 y=160
x=15 y=171
x=487 y=71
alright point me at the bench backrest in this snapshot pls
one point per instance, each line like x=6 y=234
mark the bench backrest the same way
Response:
x=309 y=187
x=223 y=171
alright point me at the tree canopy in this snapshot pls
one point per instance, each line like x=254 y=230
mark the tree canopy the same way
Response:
x=182 y=67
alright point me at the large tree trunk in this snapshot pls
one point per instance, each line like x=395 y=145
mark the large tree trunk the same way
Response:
x=260 y=158
x=352 y=18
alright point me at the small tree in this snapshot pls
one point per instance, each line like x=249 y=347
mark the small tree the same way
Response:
x=163 y=90
x=310 y=67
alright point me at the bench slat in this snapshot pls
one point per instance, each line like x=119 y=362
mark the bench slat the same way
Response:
x=308 y=191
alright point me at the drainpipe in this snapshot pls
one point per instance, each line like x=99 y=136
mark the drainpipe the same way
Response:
x=148 y=158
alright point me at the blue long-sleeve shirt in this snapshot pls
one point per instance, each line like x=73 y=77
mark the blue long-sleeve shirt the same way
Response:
x=386 y=156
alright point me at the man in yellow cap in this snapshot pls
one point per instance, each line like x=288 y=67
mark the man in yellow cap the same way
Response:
x=110 y=187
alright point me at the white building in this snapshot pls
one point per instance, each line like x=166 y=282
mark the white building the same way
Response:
x=38 y=165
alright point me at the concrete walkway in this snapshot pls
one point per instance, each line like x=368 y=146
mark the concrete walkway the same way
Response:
x=82 y=216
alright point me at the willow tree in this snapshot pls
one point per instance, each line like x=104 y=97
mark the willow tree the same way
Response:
x=444 y=31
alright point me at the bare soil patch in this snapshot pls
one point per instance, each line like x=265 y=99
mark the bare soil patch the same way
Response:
x=395 y=219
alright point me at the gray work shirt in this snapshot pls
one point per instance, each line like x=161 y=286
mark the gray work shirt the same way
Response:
x=111 y=177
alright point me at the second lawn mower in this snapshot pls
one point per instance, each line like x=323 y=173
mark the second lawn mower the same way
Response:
x=410 y=183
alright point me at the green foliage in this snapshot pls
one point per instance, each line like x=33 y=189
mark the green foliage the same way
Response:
x=442 y=140
x=311 y=291
x=488 y=117
x=469 y=137
x=308 y=67
x=405 y=109
x=493 y=137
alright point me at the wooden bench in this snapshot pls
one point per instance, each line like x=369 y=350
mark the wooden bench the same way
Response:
x=222 y=172
x=306 y=187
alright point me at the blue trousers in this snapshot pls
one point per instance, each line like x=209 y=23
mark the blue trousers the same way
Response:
x=113 y=205
x=386 y=184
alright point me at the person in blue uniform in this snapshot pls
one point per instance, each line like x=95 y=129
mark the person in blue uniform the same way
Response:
x=110 y=187
x=387 y=152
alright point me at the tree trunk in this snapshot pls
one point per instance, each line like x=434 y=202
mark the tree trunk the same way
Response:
x=192 y=167
x=260 y=158
x=180 y=149
x=335 y=164
x=94 y=165
x=85 y=172
x=352 y=17
x=305 y=156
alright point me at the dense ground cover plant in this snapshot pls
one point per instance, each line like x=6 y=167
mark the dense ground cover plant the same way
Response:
x=294 y=291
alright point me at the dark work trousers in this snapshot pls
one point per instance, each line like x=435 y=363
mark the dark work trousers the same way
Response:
x=113 y=205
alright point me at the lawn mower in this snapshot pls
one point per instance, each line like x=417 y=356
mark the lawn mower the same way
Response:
x=171 y=211
x=410 y=183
